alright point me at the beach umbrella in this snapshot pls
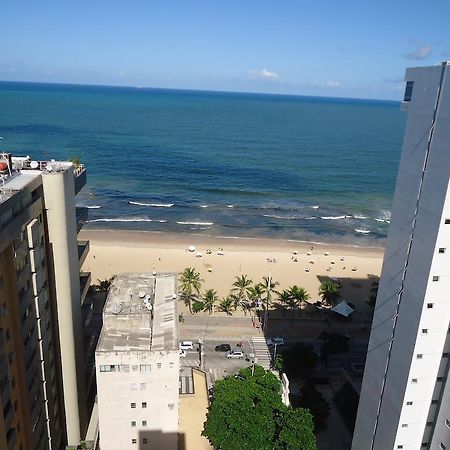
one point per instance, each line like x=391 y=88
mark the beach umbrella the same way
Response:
x=191 y=248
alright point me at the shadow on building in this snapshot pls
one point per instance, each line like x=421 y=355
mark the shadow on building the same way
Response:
x=158 y=440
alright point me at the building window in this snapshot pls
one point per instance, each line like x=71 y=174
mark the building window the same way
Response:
x=434 y=402
x=447 y=422
x=429 y=424
x=399 y=446
x=408 y=91
x=144 y=423
x=144 y=404
x=133 y=405
x=445 y=355
x=133 y=441
x=142 y=386
x=424 y=330
x=442 y=446
x=442 y=250
x=133 y=423
x=171 y=365
x=171 y=406
x=159 y=365
x=414 y=380
x=440 y=379
x=133 y=386
x=435 y=278
x=404 y=425
x=429 y=305
x=125 y=368
x=134 y=368
x=447 y=221
x=409 y=403
x=144 y=440
x=146 y=368
x=108 y=368
x=419 y=356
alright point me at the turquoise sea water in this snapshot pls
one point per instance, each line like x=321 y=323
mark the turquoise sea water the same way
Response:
x=217 y=163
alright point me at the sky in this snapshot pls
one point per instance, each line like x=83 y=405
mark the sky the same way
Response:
x=346 y=48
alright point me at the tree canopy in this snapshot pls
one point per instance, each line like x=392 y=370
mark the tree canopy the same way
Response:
x=248 y=414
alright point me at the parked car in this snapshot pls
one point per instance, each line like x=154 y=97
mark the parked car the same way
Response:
x=275 y=340
x=186 y=345
x=222 y=348
x=235 y=355
x=182 y=353
x=238 y=376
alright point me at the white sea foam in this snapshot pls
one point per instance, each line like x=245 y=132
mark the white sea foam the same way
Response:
x=154 y=205
x=356 y=216
x=379 y=219
x=203 y=206
x=315 y=207
x=230 y=206
x=196 y=223
x=93 y=206
x=126 y=219
x=332 y=217
x=362 y=230
x=311 y=218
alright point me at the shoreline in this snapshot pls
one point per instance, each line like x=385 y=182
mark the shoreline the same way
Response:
x=156 y=238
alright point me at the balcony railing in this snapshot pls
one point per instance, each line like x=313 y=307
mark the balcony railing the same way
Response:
x=83 y=250
x=82 y=215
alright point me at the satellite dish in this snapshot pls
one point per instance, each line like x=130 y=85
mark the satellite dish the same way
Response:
x=141 y=294
x=149 y=307
x=117 y=308
x=34 y=164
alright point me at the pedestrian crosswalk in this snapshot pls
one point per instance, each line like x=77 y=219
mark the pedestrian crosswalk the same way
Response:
x=262 y=354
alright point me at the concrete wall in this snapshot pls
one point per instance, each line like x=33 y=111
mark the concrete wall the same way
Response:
x=62 y=232
x=411 y=260
x=117 y=390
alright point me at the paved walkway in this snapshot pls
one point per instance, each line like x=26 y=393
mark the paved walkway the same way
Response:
x=192 y=415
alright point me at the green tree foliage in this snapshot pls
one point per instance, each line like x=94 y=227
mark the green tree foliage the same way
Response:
x=249 y=414
x=242 y=289
x=209 y=299
x=268 y=287
x=190 y=285
x=298 y=360
x=226 y=305
x=330 y=292
x=197 y=306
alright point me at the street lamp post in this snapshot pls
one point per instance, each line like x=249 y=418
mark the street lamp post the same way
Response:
x=253 y=357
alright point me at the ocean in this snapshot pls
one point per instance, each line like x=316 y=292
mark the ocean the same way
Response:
x=213 y=163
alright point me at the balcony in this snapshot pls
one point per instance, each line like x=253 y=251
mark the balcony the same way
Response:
x=82 y=215
x=79 y=174
x=83 y=250
x=85 y=282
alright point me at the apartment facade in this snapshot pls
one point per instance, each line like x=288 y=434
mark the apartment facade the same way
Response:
x=41 y=353
x=405 y=396
x=137 y=364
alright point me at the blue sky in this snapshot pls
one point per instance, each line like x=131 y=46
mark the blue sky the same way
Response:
x=344 y=48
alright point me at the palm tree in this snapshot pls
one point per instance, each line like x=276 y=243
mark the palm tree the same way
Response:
x=285 y=299
x=242 y=287
x=329 y=291
x=190 y=284
x=209 y=298
x=268 y=287
x=256 y=292
x=299 y=294
x=226 y=305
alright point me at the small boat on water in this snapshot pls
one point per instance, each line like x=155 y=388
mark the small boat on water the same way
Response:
x=362 y=230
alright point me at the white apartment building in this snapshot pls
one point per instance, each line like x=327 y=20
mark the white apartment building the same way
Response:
x=405 y=396
x=137 y=364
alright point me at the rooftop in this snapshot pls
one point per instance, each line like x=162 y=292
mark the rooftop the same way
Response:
x=140 y=314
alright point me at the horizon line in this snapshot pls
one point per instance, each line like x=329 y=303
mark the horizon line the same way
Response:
x=60 y=83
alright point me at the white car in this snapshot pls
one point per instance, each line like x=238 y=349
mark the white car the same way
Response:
x=235 y=355
x=186 y=345
x=182 y=353
x=275 y=341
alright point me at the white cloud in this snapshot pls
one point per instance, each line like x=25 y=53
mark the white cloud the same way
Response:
x=333 y=83
x=263 y=74
x=420 y=52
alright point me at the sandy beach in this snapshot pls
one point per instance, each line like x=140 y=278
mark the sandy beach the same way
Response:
x=221 y=259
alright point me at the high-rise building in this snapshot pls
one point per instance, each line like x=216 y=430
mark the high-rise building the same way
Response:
x=138 y=365
x=41 y=340
x=405 y=396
